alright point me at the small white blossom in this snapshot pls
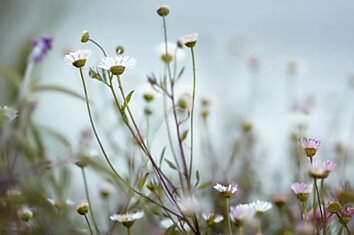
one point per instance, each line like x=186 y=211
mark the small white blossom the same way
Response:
x=117 y=64
x=261 y=206
x=78 y=58
x=173 y=52
x=190 y=40
x=242 y=213
x=226 y=190
x=212 y=218
x=127 y=219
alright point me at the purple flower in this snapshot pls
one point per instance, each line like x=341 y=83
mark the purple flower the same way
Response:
x=321 y=169
x=41 y=46
x=302 y=190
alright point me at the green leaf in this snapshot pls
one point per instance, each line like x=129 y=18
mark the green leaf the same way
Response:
x=171 y=165
x=127 y=99
x=95 y=74
x=142 y=181
x=205 y=185
x=162 y=155
x=184 y=135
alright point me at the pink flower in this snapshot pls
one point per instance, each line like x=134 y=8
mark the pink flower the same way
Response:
x=302 y=190
x=310 y=146
x=321 y=169
x=346 y=214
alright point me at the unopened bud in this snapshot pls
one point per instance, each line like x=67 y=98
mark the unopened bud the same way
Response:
x=85 y=36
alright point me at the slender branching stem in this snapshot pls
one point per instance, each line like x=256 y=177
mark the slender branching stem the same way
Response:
x=99 y=46
x=89 y=201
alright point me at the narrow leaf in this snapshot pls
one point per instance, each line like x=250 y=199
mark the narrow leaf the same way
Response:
x=162 y=156
x=184 y=135
x=127 y=99
x=171 y=164
x=197 y=176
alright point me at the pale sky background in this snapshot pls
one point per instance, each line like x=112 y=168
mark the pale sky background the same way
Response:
x=318 y=33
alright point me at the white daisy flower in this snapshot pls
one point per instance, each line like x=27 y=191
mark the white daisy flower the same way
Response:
x=190 y=40
x=212 y=218
x=173 y=52
x=227 y=191
x=261 y=206
x=117 y=64
x=242 y=213
x=78 y=58
x=127 y=219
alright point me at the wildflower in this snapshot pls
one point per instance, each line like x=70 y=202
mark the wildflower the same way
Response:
x=7 y=113
x=163 y=10
x=226 y=191
x=106 y=190
x=212 y=218
x=321 y=169
x=82 y=207
x=147 y=92
x=117 y=64
x=185 y=102
x=242 y=213
x=279 y=200
x=85 y=36
x=302 y=190
x=190 y=40
x=334 y=207
x=310 y=146
x=189 y=205
x=346 y=214
x=78 y=58
x=25 y=214
x=261 y=206
x=41 y=46
x=82 y=161
x=127 y=219
x=173 y=52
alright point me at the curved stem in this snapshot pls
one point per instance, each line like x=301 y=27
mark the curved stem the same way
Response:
x=88 y=223
x=99 y=46
x=89 y=201
x=192 y=111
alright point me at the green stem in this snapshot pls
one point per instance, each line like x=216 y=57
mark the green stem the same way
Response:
x=95 y=131
x=303 y=205
x=240 y=230
x=324 y=208
x=318 y=197
x=192 y=110
x=99 y=46
x=88 y=223
x=129 y=232
x=88 y=200
x=228 y=216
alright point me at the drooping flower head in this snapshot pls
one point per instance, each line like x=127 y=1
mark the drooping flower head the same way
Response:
x=117 y=64
x=78 y=58
x=212 y=218
x=302 y=190
x=261 y=206
x=127 y=219
x=310 y=146
x=242 y=213
x=227 y=191
x=41 y=46
x=190 y=40
x=321 y=169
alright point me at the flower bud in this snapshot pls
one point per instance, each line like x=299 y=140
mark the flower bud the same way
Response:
x=334 y=207
x=25 y=214
x=82 y=208
x=85 y=36
x=163 y=11
x=119 y=50
x=82 y=161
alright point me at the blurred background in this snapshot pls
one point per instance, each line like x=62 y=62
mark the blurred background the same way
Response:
x=283 y=66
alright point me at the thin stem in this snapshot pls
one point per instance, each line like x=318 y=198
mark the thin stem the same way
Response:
x=343 y=223
x=318 y=197
x=88 y=223
x=303 y=207
x=95 y=131
x=324 y=208
x=24 y=87
x=192 y=111
x=228 y=216
x=88 y=200
x=128 y=229
x=99 y=46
